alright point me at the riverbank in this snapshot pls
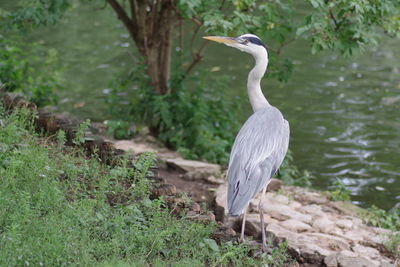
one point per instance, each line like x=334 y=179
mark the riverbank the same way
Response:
x=314 y=230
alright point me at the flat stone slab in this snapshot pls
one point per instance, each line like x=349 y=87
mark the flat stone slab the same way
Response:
x=193 y=166
x=318 y=231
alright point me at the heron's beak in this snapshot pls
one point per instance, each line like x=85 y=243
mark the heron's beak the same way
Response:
x=221 y=39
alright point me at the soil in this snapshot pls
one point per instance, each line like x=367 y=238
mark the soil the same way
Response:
x=198 y=190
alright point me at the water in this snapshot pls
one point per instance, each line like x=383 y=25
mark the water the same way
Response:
x=343 y=124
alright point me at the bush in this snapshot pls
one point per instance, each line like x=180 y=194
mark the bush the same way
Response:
x=29 y=69
x=194 y=118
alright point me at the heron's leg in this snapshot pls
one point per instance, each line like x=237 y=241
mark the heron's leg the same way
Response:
x=261 y=211
x=243 y=226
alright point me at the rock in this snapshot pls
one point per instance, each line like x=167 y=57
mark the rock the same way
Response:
x=283 y=212
x=131 y=146
x=207 y=217
x=252 y=227
x=324 y=224
x=367 y=252
x=344 y=223
x=274 y=185
x=163 y=190
x=213 y=180
x=335 y=230
x=347 y=259
x=313 y=210
x=221 y=210
x=307 y=247
x=194 y=206
x=391 y=100
x=193 y=166
x=294 y=205
x=224 y=233
x=307 y=197
x=347 y=208
x=296 y=226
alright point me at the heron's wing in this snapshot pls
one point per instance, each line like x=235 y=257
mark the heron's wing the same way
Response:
x=256 y=155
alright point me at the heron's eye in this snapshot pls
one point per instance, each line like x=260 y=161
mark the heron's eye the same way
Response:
x=245 y=41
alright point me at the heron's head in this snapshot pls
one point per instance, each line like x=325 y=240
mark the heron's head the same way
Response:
x=248 y=43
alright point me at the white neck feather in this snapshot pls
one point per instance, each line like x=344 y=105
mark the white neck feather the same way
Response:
x=257 y=98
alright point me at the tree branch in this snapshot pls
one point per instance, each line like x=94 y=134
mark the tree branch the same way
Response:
x=337 y=24
x=129 y=24
x=197 y=58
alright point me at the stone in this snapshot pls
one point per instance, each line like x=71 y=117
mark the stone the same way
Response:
x=281 y=199
x=313 y=209
x=283 y=212
x=296 y=226
x=294 y=205
x=348 y=259
x=131 y=146
x=163 y=190
x=194 y=206
x=220 y=203
x=213 y=180
x=274 y=185
x=207 y=217
x=391 y=100
x=224 y=233
x=344 y=223
x=252 y=226
x=318 y=233
x=324 y=224
x=386 y=263
x=366 y=251
x=308 y=197
x=193 y=166
x=347 y=208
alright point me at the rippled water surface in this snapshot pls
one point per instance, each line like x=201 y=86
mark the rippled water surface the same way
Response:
x=344 y=113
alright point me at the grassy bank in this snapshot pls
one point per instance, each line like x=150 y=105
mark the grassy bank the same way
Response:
x=59 y=207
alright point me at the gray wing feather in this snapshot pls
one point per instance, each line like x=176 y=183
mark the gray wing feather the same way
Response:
x=256 y=155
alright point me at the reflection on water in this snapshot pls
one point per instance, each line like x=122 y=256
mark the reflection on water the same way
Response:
x=343 y=113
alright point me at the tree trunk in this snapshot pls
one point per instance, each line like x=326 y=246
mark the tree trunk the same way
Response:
x=150 y=25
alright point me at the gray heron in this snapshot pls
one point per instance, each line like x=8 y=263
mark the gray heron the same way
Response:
x=261 y=143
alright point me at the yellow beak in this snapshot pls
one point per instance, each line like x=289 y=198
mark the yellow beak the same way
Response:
x=221 y=39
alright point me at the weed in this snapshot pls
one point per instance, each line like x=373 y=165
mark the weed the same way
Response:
x=291 y=175
x=381 y=218
x=120 y=129
x=393 y=244
x=79 y=138
x=340 y=192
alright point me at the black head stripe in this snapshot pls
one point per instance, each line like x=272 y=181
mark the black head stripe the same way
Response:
x=255 y=40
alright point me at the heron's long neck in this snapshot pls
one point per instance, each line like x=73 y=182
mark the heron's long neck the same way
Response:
x=257 y=98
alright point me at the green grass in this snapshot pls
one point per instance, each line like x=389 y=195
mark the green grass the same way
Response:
x=59 y=207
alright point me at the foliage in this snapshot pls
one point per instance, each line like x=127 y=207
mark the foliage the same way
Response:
x=340 y=25
x=385 y=219
x=119 y=129
x=29 y=69
x=194 y=118
x=348 y=25
x=291 y=175
x=340 y=192
x=58 y=208
x=79 y=138
x=393 y=244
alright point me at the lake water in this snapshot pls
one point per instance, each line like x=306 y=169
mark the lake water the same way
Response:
x=344 y=113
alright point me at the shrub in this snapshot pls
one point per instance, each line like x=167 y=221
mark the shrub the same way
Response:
x=29 y=69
